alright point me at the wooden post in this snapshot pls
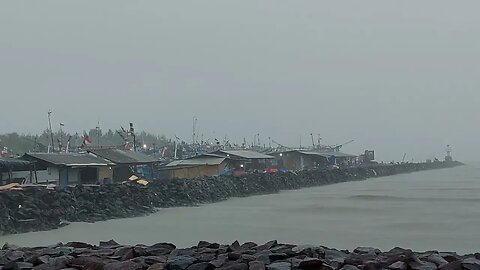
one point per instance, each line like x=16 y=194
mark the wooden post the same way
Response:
x=35 y=170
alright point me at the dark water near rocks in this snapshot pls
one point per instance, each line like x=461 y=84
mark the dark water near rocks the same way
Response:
x=437 y=209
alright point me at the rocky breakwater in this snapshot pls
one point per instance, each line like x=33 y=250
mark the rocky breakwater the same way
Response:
x=208 y=256
x=35 y=208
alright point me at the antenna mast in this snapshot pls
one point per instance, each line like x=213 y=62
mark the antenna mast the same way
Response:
x=194 y=129
x=51 y=131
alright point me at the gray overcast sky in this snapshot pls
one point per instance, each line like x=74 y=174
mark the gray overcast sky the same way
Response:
x=396 y=76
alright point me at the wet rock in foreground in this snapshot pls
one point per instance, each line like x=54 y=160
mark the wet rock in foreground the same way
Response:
x=110 y=255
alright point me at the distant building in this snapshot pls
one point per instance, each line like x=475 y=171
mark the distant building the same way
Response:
x=297 y=160
x=196 y=167
x=368 y=157
x=127 y=163
x=69 y=168
x=248 y=160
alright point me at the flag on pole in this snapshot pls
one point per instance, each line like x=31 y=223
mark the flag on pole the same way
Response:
x=86 y=140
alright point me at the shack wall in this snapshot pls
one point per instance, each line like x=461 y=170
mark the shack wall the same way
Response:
x=105 y=172
x=73 y=176
x=296 y=161
x=197 y=171
x=19 y=175
x=52 y=175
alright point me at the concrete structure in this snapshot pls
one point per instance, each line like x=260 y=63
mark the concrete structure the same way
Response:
x=69 y=168
x=297 y=160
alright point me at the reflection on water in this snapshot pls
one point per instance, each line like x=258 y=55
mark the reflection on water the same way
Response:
x=426 y=210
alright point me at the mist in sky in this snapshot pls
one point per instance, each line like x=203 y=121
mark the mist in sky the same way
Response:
x=396 y=76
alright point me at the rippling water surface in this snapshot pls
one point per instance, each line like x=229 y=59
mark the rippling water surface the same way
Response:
x=427 y=210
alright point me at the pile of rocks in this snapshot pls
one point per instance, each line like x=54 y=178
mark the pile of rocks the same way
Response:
x=208 y=256
x=38 y=208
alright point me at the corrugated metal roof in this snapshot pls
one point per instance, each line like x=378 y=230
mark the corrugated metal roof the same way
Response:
x=246 y=154
x=13 y=163
x=68 y=159
x=326 y=154
x=207 y=155
x=123 y=157
x=197 y=162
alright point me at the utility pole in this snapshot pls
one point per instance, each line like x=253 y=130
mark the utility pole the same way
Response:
x=132 y=133
x=98 y=133
x=68 y=144
x=60 y=140
x=175 y=151
x=313 y=141
x=51 y=131
x=176 y=147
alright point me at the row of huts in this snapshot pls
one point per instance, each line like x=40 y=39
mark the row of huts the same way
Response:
x=94 y=166
x=238 y=162
x=106 y=165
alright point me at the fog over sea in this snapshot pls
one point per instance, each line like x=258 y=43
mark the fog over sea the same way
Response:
x=437 y=209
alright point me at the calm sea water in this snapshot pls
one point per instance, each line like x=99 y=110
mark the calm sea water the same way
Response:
x=427 y=210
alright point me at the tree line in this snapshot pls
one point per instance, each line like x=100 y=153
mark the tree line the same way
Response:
x=18 y=144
